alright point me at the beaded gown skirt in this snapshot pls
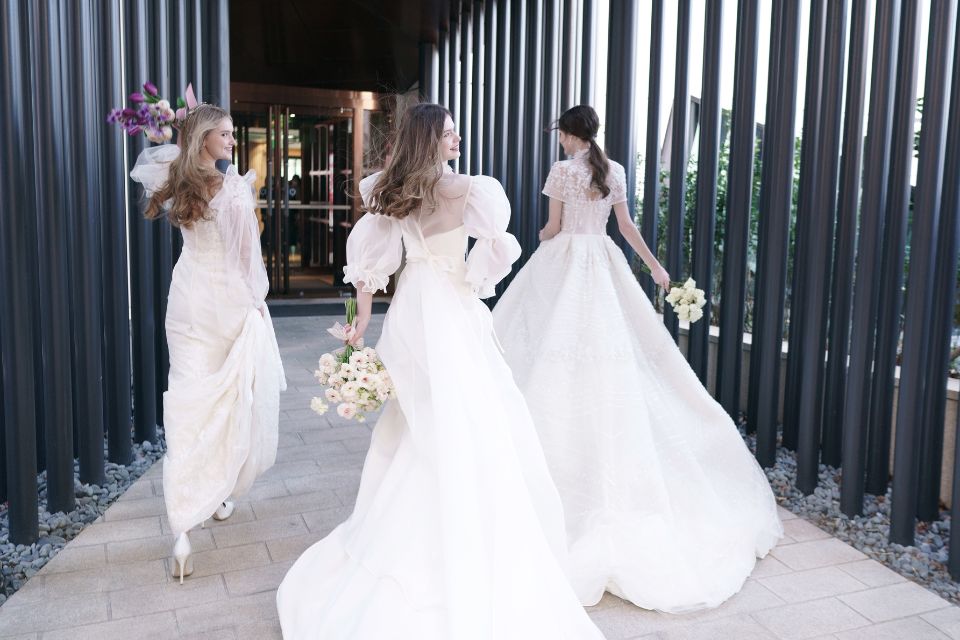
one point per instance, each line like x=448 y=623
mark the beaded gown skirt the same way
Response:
x=665 y=506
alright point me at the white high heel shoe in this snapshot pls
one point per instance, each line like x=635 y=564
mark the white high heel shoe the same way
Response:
x=182 y=561
x=224 y=511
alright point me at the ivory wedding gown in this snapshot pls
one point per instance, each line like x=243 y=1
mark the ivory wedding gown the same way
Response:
x=222 y=404
x=457 y=532
x=665 y=506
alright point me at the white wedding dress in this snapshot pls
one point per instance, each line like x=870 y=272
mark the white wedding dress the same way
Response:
x=665 y=506
x=222 y=404
x=457 y=532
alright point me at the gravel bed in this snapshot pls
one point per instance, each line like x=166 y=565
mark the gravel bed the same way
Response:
x=19 y=562
x=924 y=563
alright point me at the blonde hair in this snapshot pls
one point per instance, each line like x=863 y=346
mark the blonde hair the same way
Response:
x=415 y=166
x=190 y=184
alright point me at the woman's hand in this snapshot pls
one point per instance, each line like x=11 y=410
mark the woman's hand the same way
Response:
x=661 y=277
x=357 y=329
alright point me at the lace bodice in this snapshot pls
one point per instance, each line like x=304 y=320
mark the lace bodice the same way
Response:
x=584 y=210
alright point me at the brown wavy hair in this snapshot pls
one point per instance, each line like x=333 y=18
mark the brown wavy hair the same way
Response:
x=583 y=122
x=190 y=185
x=416 y=165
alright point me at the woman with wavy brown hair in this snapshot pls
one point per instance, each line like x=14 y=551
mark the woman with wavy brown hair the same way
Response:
x=221 y=407
x=457 y=531
x=665 y=506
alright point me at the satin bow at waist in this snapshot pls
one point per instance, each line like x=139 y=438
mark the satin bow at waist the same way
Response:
x=446 y=264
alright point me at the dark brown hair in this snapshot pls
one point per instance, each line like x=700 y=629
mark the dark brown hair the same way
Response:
x=583 y=122
x=416 y=164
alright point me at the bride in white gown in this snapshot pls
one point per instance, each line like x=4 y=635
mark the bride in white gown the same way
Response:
x=457 y=532
x=222 y=405
x=665 y=506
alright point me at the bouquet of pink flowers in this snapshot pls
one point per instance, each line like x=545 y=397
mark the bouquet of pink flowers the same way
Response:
x=152 y=115
x=356 y=380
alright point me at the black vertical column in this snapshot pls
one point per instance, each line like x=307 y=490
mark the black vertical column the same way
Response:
x=707 y=172
x=817 y=251
x=569 y=61
x=856 y=398
x=163 y=231
x=550 y=144
x=894 y=238
x=443 y=75
x=478 y=134
x=56 y=401
x=948 y=265
x=464 y=119
x=143 y=318
x=678 y=160
x=621 y=120
x=948 y=242
x=777 y=194
x=88 y=334
x=588 y=54
x=739 y=205
x=915 y=371
x=841 y=291
x=427 y=79
x=453 y=68
x=502 y=97
x=651 y=157
x=219 y=38
x=532 y=133
x=116 y=306
x=492 y=50
x=18 y=243
x=517 y=117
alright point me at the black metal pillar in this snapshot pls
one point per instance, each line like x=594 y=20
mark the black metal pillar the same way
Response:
x=807 y=195
x=532 y=134
x=650 y=221
x=517 y=117
x=219 y=40
x=464 y=119
x=935 y=399
x=676 y=261
x=894 y=238
x=56 y=401
x=739 y=205
x=841 y=291
x=18 y=256
x=915 y=371
x=621 y=118
x=502 y=87
x=491 y=57
x=707 y=172
x=588 y=55
x=550 y=108
x=569 y=60
x=818 y=251
x=443 y=68
x=856 y=398
x=777 y=195
x=477 y=91
x=453 y=68
x=428 y=71
x=143 y=319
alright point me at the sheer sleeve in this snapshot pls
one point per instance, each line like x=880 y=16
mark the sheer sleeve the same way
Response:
x=374 y=246
x=153 y=166
x=618 y=183
x=554 y=186
x=486 y=215
x=236 y=221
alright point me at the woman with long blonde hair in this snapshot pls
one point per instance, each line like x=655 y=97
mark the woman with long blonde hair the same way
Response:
x=221 y=408
x=457 y=531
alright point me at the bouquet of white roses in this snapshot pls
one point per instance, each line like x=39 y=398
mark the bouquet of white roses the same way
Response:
x=356 y=380
x=687 y=301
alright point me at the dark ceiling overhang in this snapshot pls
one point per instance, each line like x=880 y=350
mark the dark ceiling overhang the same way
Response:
x=362 y=45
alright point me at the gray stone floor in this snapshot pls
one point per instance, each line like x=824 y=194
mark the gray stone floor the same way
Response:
x=113 y=580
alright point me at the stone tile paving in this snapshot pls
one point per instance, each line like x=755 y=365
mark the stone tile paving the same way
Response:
x=113 y=580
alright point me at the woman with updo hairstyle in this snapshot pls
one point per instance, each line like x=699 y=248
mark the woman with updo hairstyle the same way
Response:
x=221 y=407
x=664 y=504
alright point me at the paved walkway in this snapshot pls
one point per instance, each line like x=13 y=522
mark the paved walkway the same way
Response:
x=113 y=580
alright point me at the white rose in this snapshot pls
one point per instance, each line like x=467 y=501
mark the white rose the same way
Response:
x=318 y=405
x=695 y=313
x=327 y=359
x=690 y=284
x=675 y=294
x=163 y=104
x=349 y=391
x=347 y=410
x=347 y=371
x=333 y=395
x=683 y=312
